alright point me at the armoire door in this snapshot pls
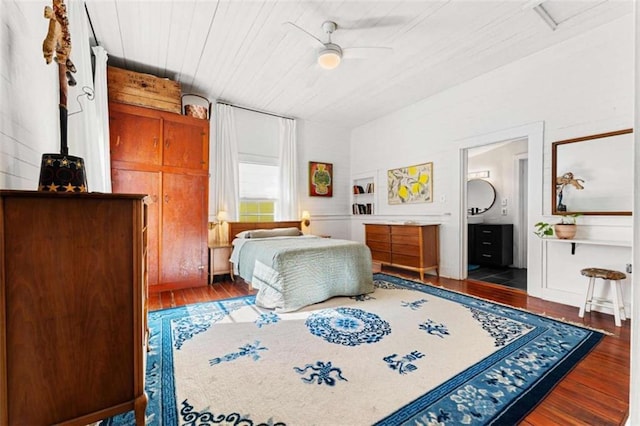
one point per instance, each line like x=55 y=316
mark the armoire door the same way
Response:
x=183 y=256
x=134 y=138
x=137 y=182
x=185 y=144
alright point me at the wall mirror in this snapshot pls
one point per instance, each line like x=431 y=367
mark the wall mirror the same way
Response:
x=480 y=196
x=593 y=175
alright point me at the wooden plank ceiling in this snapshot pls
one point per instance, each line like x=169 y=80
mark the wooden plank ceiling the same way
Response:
x=239 y=51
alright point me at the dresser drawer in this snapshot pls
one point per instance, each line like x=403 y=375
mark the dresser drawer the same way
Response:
x=488 y=234
x=406 y=239
x=377 y=233
x=378 y=245
x=405 y=230
x=381 y=256
x=406 y=249
x=405 y=260
x=488 y=257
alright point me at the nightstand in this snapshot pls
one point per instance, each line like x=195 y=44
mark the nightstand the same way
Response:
x=219 y=255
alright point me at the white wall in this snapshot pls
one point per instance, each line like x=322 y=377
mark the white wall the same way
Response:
x=316 y=142
x=580 y=87
x=329 y=144
x=28 y=95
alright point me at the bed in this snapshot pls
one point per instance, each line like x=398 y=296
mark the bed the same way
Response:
x=291 y=271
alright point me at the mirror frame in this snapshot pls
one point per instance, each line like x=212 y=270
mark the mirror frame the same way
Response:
x=554 y=174
x=495 y=195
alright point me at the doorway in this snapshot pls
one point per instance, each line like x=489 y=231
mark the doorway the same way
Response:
x=497 y=234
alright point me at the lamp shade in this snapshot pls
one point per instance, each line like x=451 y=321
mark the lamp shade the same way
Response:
x=329 y=57
x=62 y=173
x=305 y=218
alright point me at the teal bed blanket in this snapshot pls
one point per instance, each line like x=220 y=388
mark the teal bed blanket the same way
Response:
x=292 y=272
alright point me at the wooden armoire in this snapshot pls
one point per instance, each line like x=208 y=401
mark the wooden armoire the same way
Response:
x=166 y=156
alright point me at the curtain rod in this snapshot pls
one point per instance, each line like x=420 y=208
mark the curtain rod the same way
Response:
x=255 y=110
x=91 y=24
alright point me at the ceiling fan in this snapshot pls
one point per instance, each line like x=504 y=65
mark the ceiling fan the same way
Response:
x=330 y=54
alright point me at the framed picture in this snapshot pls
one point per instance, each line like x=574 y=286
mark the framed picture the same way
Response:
x=413 y=184
x=320 y=179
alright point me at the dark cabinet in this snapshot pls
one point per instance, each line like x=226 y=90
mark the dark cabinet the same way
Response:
x=490 y=245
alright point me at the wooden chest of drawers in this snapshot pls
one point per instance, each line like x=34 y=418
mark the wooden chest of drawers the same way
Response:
x=413 y=247
x=73 y=307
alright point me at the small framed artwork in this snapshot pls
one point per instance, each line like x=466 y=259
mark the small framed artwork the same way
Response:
x=320 y=179
x=413 y=184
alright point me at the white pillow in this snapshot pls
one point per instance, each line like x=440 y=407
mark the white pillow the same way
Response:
x=243 y=234
x=278 y=232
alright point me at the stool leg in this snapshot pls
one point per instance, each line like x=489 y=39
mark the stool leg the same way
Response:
x=592 y=284
x=616 y=304
x=586 y=306
x=623 y=312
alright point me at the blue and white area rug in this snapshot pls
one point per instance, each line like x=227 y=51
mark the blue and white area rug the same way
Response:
x=408 y=353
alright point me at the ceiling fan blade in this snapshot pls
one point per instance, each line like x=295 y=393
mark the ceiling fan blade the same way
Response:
x=304 y=31
x=368 y=23
x=366 y=52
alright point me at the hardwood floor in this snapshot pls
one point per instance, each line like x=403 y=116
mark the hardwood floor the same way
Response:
x=595 y=392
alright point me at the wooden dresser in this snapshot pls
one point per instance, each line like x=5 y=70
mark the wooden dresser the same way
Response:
x=72 y=307
x=414 y=247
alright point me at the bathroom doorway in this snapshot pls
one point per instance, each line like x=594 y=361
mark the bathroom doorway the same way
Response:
x=497 y=213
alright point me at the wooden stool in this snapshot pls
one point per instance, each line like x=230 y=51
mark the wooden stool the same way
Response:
x=614 y=278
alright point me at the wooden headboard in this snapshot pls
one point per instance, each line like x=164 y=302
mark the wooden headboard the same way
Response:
x=237 y=227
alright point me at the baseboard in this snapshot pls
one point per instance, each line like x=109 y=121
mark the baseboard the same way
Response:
x=158 y=288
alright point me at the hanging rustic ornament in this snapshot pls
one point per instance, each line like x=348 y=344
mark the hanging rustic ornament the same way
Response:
x=61 y=172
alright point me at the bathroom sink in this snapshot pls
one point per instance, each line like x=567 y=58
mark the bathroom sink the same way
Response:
x=475 y=219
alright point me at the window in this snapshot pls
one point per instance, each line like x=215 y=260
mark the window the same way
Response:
x=258 y=192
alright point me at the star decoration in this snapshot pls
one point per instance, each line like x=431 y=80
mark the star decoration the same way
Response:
x=41 y=187
x=69 y=188
x=53 y=187
x=79 y=164
x=65 y=162
x=49 y=161
x=82 y=188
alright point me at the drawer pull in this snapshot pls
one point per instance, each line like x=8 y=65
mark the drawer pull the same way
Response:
x=486 y=243
x=487 y=232
x=486 y=255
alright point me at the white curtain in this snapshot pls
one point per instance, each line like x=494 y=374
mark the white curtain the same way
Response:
x=288 y=200
x=103 y=169
x=85 y=135
x=225 y=164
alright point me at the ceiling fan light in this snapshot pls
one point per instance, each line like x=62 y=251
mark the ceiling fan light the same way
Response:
x=329 y=58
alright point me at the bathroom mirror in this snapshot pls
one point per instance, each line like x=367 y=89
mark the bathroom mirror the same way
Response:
x=593 y=175
x=480 y=196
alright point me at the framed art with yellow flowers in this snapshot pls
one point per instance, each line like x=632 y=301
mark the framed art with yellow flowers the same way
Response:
x=413 y=184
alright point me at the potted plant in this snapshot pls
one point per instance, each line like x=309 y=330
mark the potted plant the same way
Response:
x=565 y=230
